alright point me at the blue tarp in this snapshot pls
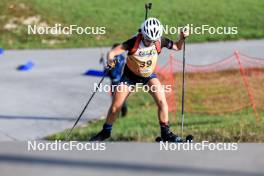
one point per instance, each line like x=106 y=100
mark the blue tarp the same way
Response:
x=92 y=72
x=25 y=67
x=1 y=50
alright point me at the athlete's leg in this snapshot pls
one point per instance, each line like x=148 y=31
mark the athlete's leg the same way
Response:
x=159 y=96
x=124 y=106
x=124 y=109
x=119 y=97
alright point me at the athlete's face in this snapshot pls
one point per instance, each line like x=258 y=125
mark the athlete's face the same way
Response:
x=148 y=42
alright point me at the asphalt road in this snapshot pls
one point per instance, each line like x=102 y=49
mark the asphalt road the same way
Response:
x=48 y=98
x=127 y=159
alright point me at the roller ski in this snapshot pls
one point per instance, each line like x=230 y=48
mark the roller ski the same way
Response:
x=101 y=136
x=174 y=138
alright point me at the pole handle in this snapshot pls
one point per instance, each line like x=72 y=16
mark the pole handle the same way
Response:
x=148 y=6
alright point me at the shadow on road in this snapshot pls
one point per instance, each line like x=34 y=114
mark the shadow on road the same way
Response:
x=117 y=166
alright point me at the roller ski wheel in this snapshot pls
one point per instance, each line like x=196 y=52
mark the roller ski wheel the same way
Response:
x=189 y=138
x=158 y=139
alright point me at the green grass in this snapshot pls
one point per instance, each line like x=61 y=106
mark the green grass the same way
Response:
x=207 y=101
x=122 y=19
x=141 y=125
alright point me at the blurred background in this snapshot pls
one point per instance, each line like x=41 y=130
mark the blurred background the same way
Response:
x=47 y=79
x=44 y=80
x=122 y=19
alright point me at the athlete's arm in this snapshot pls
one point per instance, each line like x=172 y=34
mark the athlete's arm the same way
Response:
x=125 y=46
x=115 y=52
x=178 y=44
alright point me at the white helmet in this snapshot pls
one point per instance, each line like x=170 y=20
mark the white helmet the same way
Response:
x=152 y=29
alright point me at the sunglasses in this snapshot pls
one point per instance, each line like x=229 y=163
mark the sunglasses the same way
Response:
x=149 y=41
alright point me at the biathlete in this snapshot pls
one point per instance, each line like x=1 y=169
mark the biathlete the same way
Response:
x=143 y=50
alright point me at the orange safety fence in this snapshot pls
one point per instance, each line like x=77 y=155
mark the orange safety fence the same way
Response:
x=166 y=75
x=229 y=85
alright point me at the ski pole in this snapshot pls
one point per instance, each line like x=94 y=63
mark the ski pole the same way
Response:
x=147 y=7
x=183 y=84
x=90 y=99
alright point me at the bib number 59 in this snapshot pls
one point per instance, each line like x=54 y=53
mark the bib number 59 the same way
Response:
x=146 y=64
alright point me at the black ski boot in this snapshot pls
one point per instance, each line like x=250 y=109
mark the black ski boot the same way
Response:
x=167 y=135
x=101 y=136
x=171 y=137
